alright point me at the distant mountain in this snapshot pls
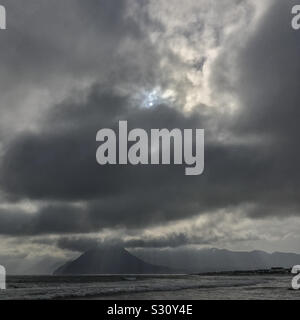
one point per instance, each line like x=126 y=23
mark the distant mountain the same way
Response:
x=110 y=260
x=211 y=260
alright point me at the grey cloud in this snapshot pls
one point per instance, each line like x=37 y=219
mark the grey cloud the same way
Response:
x=78 y=244
x=51 y=47
x=172 y=240
x=83 y=244
x=57 y=164
x=22 y=223
x=48 y=37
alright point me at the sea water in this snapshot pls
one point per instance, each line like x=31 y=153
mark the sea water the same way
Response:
x=181 y=287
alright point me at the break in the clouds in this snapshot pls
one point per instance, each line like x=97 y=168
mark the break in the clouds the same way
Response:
x=70 y=68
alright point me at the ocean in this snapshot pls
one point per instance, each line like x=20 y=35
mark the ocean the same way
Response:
x=142 y=287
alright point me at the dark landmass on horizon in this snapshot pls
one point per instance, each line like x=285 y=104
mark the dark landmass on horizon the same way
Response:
x=271 y=271
x=117 y=260
x=109 y=261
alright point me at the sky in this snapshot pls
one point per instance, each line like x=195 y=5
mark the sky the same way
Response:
x=69 y=68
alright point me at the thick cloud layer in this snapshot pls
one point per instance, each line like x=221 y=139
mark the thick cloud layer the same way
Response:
x=110 y=56
x=58 y=164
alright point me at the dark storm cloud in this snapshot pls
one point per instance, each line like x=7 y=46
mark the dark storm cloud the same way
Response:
x=57 y=45
x=46 y=221
x=84 y=244
x=78 y=244
x=172 y=240
x=50 y=47
x=267 y=74
x=54 y=37
x=58 y=162
x=175 y=240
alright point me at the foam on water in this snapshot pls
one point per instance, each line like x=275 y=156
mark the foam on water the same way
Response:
x=83 y=287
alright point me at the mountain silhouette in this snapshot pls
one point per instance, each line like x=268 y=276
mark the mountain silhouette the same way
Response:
x=207 y=260
x=109 y=260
